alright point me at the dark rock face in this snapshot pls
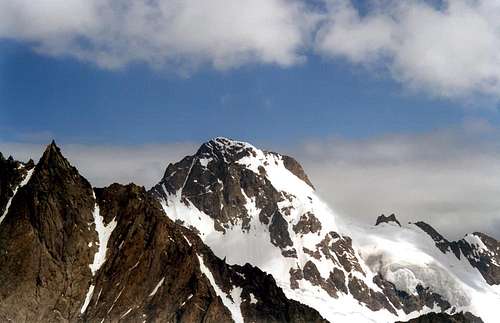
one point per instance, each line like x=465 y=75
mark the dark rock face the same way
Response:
x=308 y=223
x=446 y=318
x=410 y=303
x=154 y=270
x=279 y=231
x=387 y=219
x=148 y=261
x=11 y=176
x=44 y=255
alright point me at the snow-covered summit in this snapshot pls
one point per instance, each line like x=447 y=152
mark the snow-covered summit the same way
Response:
x=258 y=207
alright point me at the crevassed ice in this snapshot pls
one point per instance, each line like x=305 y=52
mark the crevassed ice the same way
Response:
x=408 y=256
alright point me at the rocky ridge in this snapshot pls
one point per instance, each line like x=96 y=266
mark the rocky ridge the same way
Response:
x=69 y=252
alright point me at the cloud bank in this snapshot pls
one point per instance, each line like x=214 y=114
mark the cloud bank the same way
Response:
x=179 y=33
x=449 y=50
x=449 y=178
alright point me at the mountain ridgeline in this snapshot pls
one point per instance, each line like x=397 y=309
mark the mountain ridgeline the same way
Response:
x=229 y=234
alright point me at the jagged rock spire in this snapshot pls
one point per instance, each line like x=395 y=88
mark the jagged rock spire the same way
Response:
x=45 y=243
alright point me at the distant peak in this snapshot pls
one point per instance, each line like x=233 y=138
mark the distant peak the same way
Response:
x=387 y=219
x=52 y=157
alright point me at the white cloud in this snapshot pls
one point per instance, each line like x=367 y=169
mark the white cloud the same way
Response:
x=450 y=51
x=177 y=33
x=453 y=51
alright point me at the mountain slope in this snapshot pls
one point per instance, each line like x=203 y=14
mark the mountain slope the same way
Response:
x=251 y=206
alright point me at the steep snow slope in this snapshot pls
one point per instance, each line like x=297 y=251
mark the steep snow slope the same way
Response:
x=251 y=206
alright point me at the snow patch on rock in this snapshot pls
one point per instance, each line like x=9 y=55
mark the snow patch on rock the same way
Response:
x=9 y=202
x=233 y=302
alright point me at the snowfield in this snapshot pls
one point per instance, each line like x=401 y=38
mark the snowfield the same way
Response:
x=407 y=256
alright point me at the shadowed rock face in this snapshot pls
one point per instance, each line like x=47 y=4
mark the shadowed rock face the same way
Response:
x=11 y=176
x=446 y=318
x=387 y=219
x=153 y=270
x=44 y=254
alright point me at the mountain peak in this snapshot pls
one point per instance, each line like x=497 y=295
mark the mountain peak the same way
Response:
x=225 y=149
x=231 y=151
x=52 y=157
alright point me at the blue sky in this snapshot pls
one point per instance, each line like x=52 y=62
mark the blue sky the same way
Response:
x=75 y=101
x=268 y=71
